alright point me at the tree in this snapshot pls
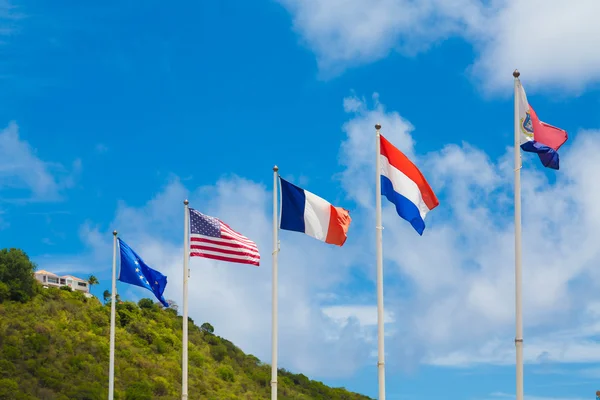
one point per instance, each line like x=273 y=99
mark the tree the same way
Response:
x=107 y=296
x=4 y=292
x=92 y=280
x=206 y=327
x=172 y=304
x=16 y=275
x=146 y=303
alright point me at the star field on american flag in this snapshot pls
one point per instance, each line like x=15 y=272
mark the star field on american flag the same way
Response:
x=212 y=238
x=204 y=225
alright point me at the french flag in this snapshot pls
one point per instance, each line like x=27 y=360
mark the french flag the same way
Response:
x=537 y=136
x=303 y=211
x=403 y=184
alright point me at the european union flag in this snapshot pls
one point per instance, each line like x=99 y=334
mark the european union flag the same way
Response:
x=135 y=272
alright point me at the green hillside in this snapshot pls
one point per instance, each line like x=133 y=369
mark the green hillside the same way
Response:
x=54 y=344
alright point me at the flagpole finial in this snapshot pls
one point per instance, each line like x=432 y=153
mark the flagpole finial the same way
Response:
x=275 y=168
x=115 y=233
x=516 y=73
x=378 y=126
x=186 y=202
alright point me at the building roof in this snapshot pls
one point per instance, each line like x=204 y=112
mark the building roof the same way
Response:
x=74 y=278
x=44 y=272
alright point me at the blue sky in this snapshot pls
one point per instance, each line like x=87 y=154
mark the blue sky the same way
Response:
x=113 y=114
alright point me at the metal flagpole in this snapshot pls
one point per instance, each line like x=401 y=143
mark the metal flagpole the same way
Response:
x=379 y=239
x=274 y=294
x=518 y=278
x=186 y=258
x=111 y=363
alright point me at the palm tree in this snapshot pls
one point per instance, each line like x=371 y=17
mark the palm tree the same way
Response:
x=92 y=280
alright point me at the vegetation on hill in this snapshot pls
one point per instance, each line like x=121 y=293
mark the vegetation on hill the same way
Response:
x=16 y=276
x=54 y=344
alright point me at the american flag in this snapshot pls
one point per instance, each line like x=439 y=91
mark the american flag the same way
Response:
x=214 y=239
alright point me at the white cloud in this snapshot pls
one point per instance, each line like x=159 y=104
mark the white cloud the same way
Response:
x=365 y=315
x=26 y=175
x=547 y=41
x=506 y=34
x=449 y=294
x=354 y=32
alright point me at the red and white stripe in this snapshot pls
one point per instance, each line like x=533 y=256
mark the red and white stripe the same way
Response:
x=231 y=247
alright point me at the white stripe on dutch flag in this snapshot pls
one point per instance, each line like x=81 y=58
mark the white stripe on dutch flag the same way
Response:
x=403 y=184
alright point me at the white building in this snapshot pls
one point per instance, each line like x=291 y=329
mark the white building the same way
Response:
x=48 y=279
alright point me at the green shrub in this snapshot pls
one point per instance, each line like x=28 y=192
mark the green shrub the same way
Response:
x=4 y=292
x=218 y=352
x=146 y=304
x=225 y=372
x=9 y=389
x=161 y=386
x=139 y=391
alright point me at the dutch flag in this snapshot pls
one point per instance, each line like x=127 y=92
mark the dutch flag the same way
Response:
x=403 y=184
